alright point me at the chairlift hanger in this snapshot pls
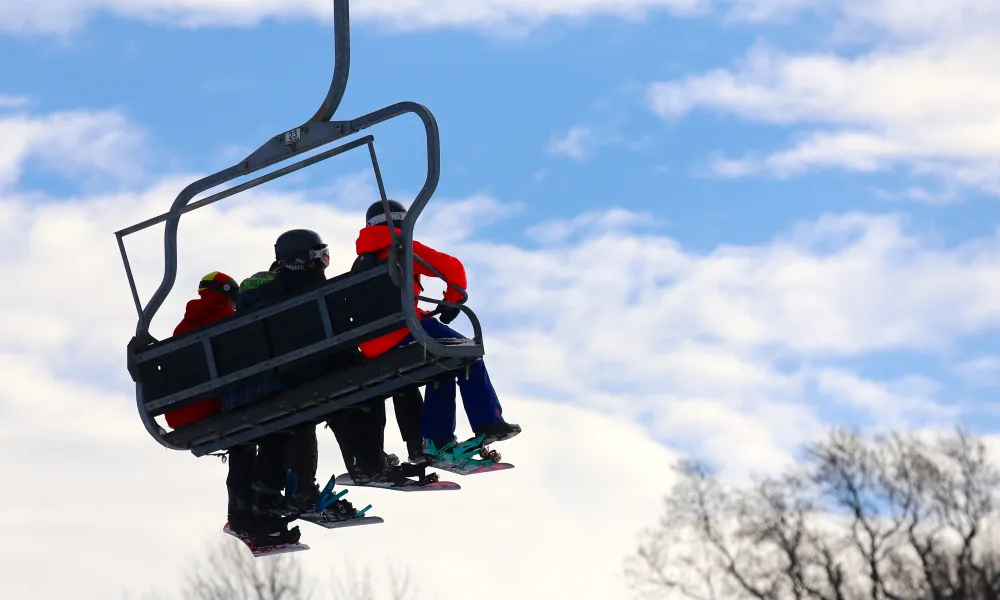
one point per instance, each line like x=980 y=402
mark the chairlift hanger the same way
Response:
x=181 y=370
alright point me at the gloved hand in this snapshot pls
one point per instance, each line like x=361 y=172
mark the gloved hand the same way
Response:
x=448 y=314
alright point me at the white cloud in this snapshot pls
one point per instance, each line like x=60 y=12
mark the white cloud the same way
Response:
x=898 y=19
x=842 y=285
x=70 y=143
x=768 y=10
x=923 y=97
x=692 y=341
x=581 y=142
x=62 y=16
x=591 y=223
x=12 y=101
x=983 y=370
x=893 y=404
x=452 y=223
x=714 y=351
x=730 y=168
x=921 y=195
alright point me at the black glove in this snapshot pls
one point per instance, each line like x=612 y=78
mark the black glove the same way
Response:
x=448 y=314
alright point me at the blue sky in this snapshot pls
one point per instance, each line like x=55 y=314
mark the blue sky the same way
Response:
x=772 y=224
x=200 y=92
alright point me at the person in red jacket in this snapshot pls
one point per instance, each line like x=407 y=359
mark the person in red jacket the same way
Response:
x=217 y=294
x=478 y=396
x=216 y=300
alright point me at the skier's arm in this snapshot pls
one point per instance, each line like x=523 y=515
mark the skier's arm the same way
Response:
x=450 y=267
x=254 y=291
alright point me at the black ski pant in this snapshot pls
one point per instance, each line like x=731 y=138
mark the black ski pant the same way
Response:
x=408 y=405
x=360 y=429
x=360 y=433
x=293 y=449
x=239 y=482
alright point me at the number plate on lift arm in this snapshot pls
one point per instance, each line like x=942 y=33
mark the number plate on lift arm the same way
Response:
x=293 y=136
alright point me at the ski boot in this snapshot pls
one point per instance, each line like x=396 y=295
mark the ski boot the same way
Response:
x=270 y=503
x=392 y=472
x=498 y=432
x=241 y=523
x=305 y=500
x=273 y=531
x=415 y=452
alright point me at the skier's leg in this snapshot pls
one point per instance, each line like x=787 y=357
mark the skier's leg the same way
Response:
x=239 y=484
x=344 y=424
x=408 y=405
x=482 y=406
x=269 y=479
x=438 y=423
x=301 y=457
x=437 y=427
x=375 y=431
x=269 y=472
x=480 y=400
x=343 y=429
x=369 y=436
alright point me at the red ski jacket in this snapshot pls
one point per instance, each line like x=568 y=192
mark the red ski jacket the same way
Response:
x=378 y=239
x=209 y=308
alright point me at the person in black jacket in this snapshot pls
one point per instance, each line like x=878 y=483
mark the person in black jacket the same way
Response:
x=301 y=260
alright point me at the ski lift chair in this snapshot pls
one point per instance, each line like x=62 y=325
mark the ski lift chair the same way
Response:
x=325 y=324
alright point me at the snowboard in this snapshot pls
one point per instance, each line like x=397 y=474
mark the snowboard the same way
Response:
x=469 y=468
x=319 y=519
x=259 y=551
x=410 y=485
x=467 y=464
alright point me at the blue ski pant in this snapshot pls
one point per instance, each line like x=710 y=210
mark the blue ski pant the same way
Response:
x=482 y=406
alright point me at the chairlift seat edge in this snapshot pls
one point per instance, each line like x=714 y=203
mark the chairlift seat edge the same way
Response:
x=378 y=377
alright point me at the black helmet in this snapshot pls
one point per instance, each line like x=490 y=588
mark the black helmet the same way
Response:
x=301 y=247
x=376 y=214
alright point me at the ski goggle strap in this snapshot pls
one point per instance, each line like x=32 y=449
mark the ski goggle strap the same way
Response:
x=380 y=218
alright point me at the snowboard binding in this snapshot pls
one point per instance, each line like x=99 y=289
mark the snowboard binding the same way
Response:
x=326 y=506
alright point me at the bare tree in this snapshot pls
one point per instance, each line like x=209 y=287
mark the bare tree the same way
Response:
x=351 y=585
x=892 y=518
x=229 y=572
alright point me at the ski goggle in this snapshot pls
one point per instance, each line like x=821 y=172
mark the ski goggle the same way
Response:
x=320 y=254
x=380 y=218
x=228 y=288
